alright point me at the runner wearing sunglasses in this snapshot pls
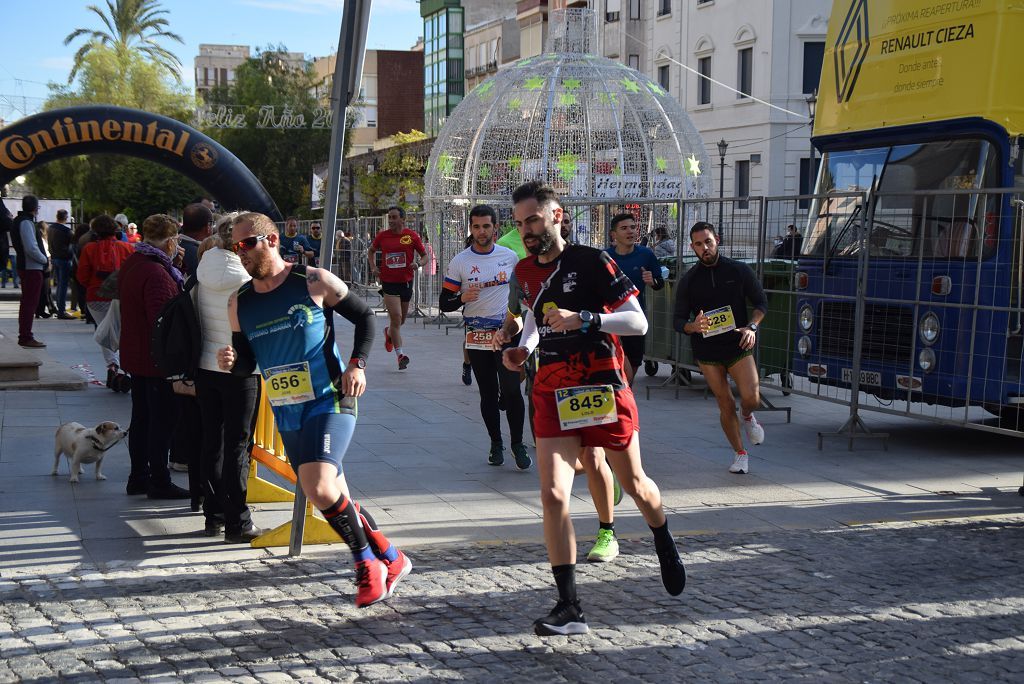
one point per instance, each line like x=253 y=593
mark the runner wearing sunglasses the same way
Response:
x=283 y=320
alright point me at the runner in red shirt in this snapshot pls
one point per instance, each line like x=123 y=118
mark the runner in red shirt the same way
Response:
x=399 y=248
x=576 y=303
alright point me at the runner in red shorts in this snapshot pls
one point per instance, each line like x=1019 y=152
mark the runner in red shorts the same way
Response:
x=576 y=303
x=402 y=253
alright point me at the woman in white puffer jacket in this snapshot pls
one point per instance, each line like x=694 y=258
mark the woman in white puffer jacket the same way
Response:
x=227 y=402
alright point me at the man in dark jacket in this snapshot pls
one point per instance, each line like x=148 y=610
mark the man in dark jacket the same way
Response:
x=196 y=226
x=59 y=236
x=32 y=262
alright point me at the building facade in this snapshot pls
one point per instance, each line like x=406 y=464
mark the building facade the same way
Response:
x=381 y=111
x=215 y=65
x=738 y=52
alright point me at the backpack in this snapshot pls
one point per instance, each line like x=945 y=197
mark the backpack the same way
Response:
x=177 y=339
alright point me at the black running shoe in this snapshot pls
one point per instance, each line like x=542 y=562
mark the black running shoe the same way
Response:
x=673 y=573
x=467 y=374
x=497 y=455
x=564 y=619
x=523 y=460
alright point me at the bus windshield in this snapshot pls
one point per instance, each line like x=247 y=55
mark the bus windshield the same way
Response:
x=935 y=226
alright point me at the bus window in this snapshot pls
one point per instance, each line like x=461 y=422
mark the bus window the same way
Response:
x=936 y=226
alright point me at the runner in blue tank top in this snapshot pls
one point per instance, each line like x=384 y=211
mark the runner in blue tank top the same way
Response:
x=283 y=320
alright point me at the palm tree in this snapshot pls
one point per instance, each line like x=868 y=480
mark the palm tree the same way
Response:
x=131 y=25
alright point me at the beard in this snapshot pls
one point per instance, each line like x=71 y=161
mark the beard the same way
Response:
x=544 y=243
x=483 y=243
x=257 y=267
x=709 y=258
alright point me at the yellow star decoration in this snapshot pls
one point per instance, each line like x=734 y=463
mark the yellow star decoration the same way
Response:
x=566 y=99
x=692 y=166
x=631 y=85
x=656 y=89
x=515 y=103
x=572 y=83
x=661 y=163
x=484 y=88
x=567 y=166
x=534 y=83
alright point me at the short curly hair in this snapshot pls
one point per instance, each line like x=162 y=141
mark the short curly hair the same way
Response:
x=158 y=228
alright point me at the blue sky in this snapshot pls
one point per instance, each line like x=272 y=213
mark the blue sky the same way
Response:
x=34 y=55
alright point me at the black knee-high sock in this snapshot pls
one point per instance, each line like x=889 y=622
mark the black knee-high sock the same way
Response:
x=565 y=580
x=381 y=545
x=344 y=518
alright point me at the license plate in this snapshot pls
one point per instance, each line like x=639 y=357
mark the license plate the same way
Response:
x=873 y=378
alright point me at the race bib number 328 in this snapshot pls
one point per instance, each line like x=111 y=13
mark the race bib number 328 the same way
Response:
x=585 y=406
x=720 y=321
x=289 y=384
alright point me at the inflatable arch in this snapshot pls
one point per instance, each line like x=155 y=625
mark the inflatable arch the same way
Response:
x=90 y=129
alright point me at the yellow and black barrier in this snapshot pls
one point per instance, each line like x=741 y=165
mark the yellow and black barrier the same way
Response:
x=268 y=451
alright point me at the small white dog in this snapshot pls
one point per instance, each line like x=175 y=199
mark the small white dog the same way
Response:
x=85 y=445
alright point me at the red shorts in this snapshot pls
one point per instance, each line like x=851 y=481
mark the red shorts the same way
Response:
x=616 y=436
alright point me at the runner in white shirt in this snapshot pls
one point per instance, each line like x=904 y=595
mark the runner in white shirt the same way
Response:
x=478 y=279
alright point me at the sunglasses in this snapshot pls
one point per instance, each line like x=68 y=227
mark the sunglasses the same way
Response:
x=248 y=243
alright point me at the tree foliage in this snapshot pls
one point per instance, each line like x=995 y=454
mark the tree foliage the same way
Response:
x=113 y=183
x=132 y=27
x=282 y=158
x=399 y=176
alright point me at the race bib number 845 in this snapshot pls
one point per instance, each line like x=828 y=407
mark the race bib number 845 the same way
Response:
x=585 y=406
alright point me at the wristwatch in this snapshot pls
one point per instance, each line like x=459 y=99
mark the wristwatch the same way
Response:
x=753 y=327
x=587 y=318
x=357 y=362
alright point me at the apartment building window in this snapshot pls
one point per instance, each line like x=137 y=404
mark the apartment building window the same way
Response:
x=704 y=80
x=612 y=9
x=814 y=56
x=634 y=62
x=664 y=7
x=634 y=9
x=744 y=72
x=743 y=183
x=663 y=77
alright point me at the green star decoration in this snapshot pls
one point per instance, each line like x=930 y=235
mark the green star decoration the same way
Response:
x=572 y=83
x=484 y=172
x=567 y=166
x=534 y=83
x=656 y=89
x=566 y=99
x=445 y=164
x=515 y=103
x=661 y=163
x=515 y=163
x=673 y=210
x=630 y=85
x=692 y=166
x=607 y=98
x=484 y=88
x=617 y=170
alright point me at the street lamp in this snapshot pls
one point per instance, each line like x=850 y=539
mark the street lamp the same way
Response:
x=812 y=104
x=722 y=147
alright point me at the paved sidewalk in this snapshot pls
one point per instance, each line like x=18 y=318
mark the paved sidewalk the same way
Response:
x=786 y=580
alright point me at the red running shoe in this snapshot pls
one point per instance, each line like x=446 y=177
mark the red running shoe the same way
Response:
x=397 y=569
x=370 y=582
x=388 y=347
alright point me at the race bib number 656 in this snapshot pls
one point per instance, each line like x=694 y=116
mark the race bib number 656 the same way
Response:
x=289 y=384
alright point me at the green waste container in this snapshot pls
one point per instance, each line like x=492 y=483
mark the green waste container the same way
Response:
x=775 y=338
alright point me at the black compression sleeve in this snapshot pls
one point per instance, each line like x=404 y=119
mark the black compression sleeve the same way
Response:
x=450 y=301
x=355 y=311
x=245 y=358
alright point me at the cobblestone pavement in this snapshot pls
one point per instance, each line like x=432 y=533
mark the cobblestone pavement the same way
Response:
x=923 y=602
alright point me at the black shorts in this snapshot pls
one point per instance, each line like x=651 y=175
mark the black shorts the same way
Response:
x=633 y=348
x=403 y=290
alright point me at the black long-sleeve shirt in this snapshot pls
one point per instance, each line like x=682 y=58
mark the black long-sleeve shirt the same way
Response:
x=706 y=288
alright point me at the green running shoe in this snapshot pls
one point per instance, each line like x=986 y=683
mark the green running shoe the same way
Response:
x=497 y=456
x=523 y=460
x=616 y=491
x=606 y=548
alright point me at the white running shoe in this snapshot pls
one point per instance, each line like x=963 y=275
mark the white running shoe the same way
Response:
x=755 y=433
x=740 y=464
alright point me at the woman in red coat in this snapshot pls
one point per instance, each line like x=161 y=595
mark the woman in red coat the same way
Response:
x=148 y=280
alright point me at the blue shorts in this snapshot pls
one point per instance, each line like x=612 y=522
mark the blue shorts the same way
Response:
x=324 y=438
